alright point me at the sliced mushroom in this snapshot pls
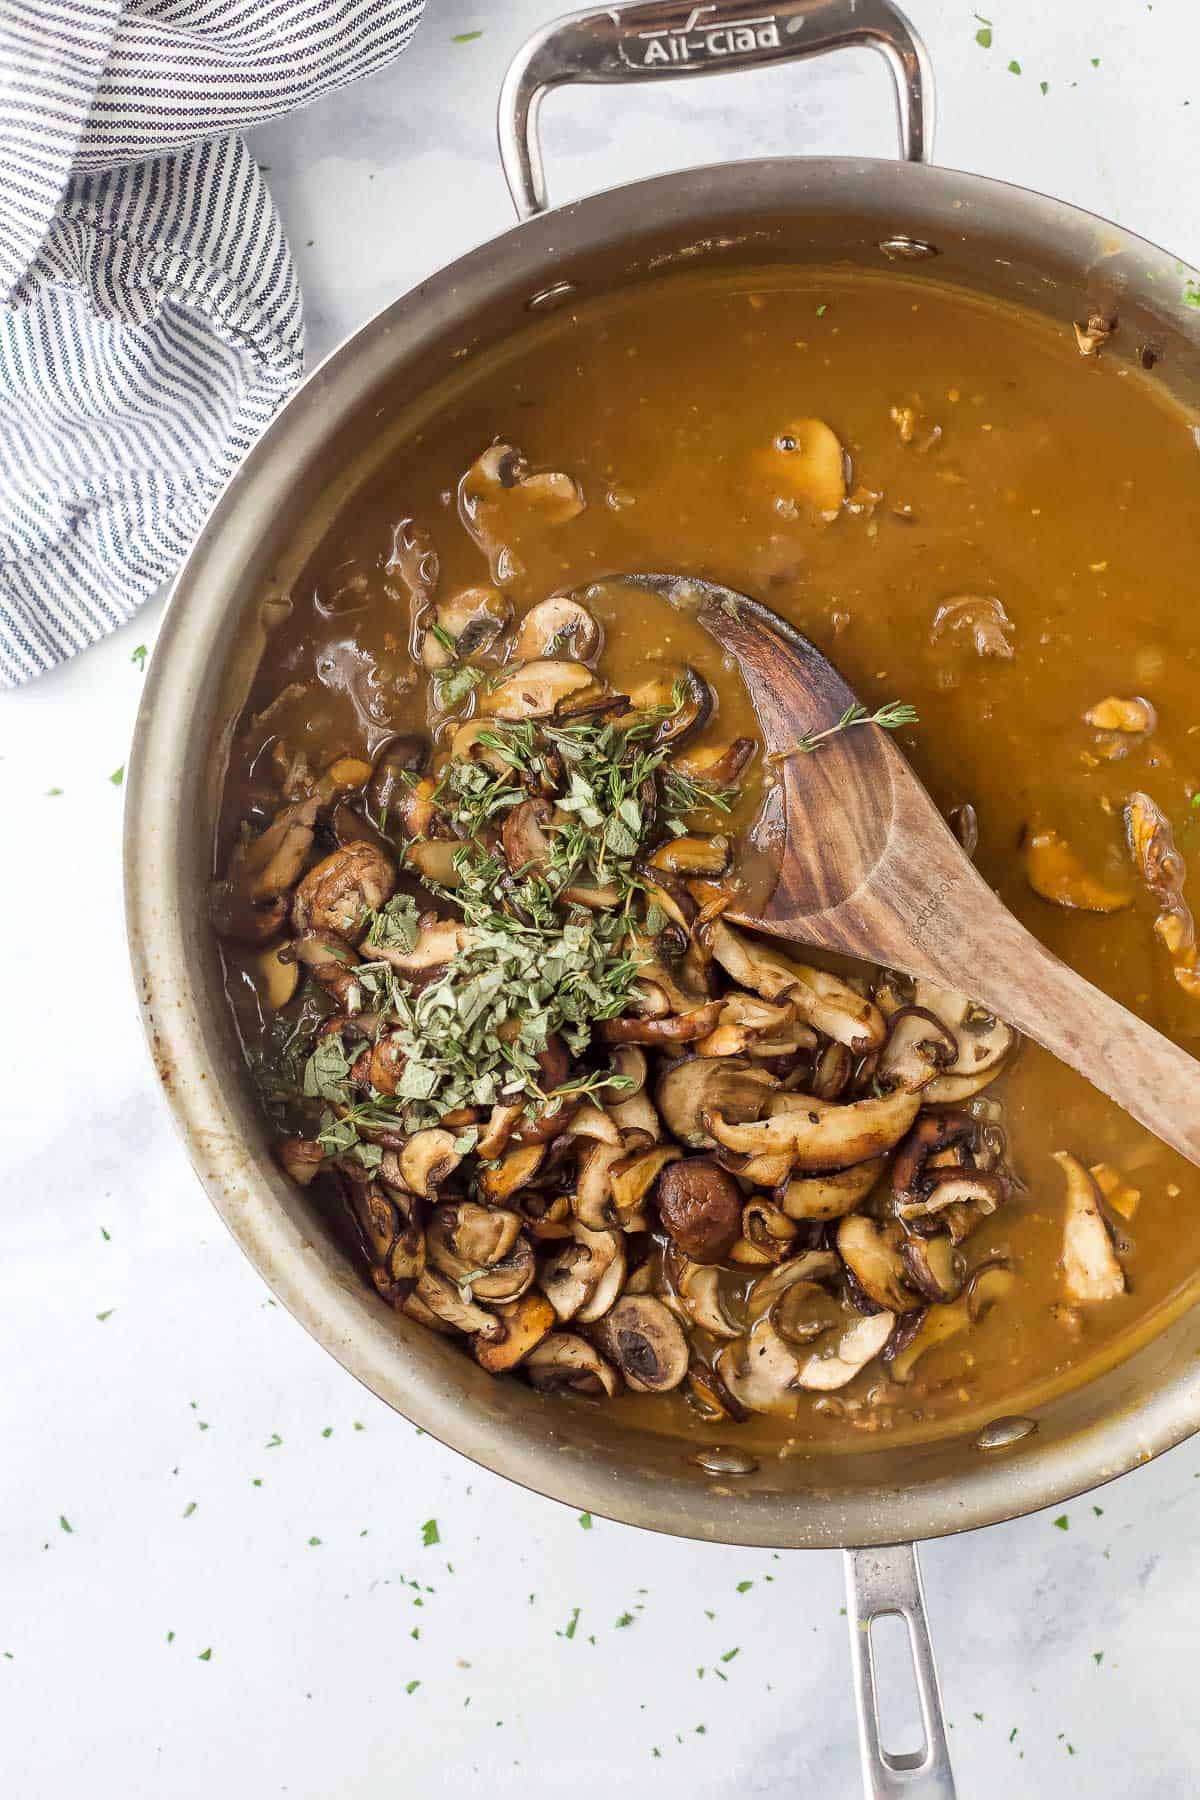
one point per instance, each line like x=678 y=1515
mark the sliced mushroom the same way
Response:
x=592 y=1202
x=645 y=1342
x=832 y=1193
x=935 y=1267
x=636 y=1115
x=761 y=1371
x=438 y=943
x=277 y=977
x=696 y=1085
x=715 y=765
x=982 y=1041
x=632 y=1178
x=590 y=1121
x=535 y=690
x=1090 y=1267
x=701 y=1293
x=526 y=845
x=821 y=998
x=566 y=1364
x=472 y=618
x=1164 y=871
x=833 y=1071
x=982 y=617
x=413 y=1307
x=556 y=625
x=480 y=1248
x=683 y=696
x=745 y=1020
x=822 y=1135
x=826 y=1369
x=919 y=1045
x=990 y=1282
x=500 y=494
x=342 y=892
x=932 y=1133
x=301 y=1158
x=806 y=466
x=398 y=763
x=442 y=1297
x=930 y=1329
x=511 y=1173
x=676 y=1028
x=428 y=1159
x=873 y=1255
x=1054 y=871
x=332 y=962
x=709 y=1394
x=628 y=1065
x=585 y=1278
x=496 y=1135
x=249 y=904
x=957 y=1199
x=692 y=856
x=524 y=1323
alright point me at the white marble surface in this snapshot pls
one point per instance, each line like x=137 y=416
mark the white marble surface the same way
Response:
x=147 y=1380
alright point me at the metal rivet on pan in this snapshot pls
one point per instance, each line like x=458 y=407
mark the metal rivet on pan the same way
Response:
x=1003 y=1432
x=720 y=1461
x=907 y=249
x=551 y=296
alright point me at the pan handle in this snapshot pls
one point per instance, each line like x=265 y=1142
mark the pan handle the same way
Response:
x=661 y=40
x=886 y=1583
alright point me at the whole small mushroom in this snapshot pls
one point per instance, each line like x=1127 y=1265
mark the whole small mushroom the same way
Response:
x=700 y=1205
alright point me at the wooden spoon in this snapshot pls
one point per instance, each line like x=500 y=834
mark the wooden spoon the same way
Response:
x=868 y=866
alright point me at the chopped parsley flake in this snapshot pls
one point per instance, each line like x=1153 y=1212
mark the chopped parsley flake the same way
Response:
x=139 y=657
x=118 y=776
x=744 y=1586
x=1062 y=1523
x=585 y=1520
x=65 y=1523
x=465 y=37
x=430 y=1533
x=205 y=1656
x=189 y=1509
x=106 y=1315
x=411 y=1687
x=1014 y=67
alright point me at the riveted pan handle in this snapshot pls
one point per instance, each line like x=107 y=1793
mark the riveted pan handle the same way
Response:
x=662 y=40
x=885 y=1583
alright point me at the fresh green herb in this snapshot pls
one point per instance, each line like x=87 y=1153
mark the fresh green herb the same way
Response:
x=453 y=686
x=1095 y=62
x=891 y=717
x=744 y=1587
x=170 y=1637
x=106 y=1315
x=313 y=1542
x=139 y=657
x=394 y=926
x=205 y=1656
x=572 y=1624
x=105 y=1235
x=465 y=37
x=822 y=310
x=1097 y=1657
x=118 y=776
x=585 y=1519
x=1045 y=86
x=1012 y=1734
x=983 y=37
x=358 y=1425
x=1062 y=1523
x=448 y=643
x=1191 y=293
x=53 y=793
x=1014 y=67
x=274 y=1441
x=430 y=1534
x=328 y=1431
x=65 y=1523
x=411 y=1687
x=1099 y=1511
x=730 y=1654
x=189 y=1509
x=625 y=1619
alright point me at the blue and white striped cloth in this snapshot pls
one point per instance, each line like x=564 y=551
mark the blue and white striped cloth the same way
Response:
x=150 y=320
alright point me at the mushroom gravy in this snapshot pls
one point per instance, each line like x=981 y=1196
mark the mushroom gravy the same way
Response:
x=1009 y=554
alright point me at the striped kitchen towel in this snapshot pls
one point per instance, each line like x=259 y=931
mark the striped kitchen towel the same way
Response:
x=150 y=320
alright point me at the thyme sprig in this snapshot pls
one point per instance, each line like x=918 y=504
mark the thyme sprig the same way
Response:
x=890 y=716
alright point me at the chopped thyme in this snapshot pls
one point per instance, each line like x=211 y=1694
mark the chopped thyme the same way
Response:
x=139 y=657
x=454 y=685
x=429 y=1533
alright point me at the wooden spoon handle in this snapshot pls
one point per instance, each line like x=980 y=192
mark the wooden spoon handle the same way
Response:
x=1152 y=1078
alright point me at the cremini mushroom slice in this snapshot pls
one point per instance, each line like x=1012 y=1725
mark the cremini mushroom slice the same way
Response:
x=301 y=1158
x=645 y=1342
x=250 y=904
x=591 y=1121
x=839 y=1360
x=692 y=855
x=1054 y=871
x=708 y=1393
x=832 y=1073
x=676 y=1028
x=443 y=1298
x=991 y=1281
x=471 y=619
x=428 y=1159
x=821 y=998
x=438 y=942
x=919 y=1045
x=397 y=763
x=332 y=962
x=700 y=1206
x=342 y=892
x=805 y=467
x=413 y=1307
x=1164 y=871
x=873 y=1255
x=497 y=1133
x=982 y=618
x=557 y=625
x=715 y=765
x=592 y=1202
x=761 y=1371
x=822 y=1135
x=682 y=695
x=500 y=495
x=819 y=1267
x=535 y=690
x=276 y=977
x=527 y=847
x=830 y=1194
x=704 y=1301
x=524 y=1323
x=929 y=1330
x=636 y=1114
x=480 y=1248
x=510 y=1174
x=434 y=860
x=727 y=1085
x=934 y=1267
x=1134 y=716
x=767 y=1230
x=745 y=1019
x=1090 y=1267
x=982 y=1041
x=957 y=1199
x=587 y=1275
x=564 y=1363
x=632 y=1178
x=629 y=1069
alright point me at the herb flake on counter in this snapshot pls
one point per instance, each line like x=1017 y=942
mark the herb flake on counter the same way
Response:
x=118 y=776
x=465 y=37
x=65 y=1524
x=744 y=1587
x=430 y=1534
x=313 y=1543
x=139 y=657
x=1014 y=67
x=585 y=1520
x=411 y=1687
x=1062 y=1523
x=189 y=1509
x=625 y=1619
x=53 y=793
x=104 y=1234
x=106 y=1315
x=205 y=1655
x=274 y=1441
x=328 y=1432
